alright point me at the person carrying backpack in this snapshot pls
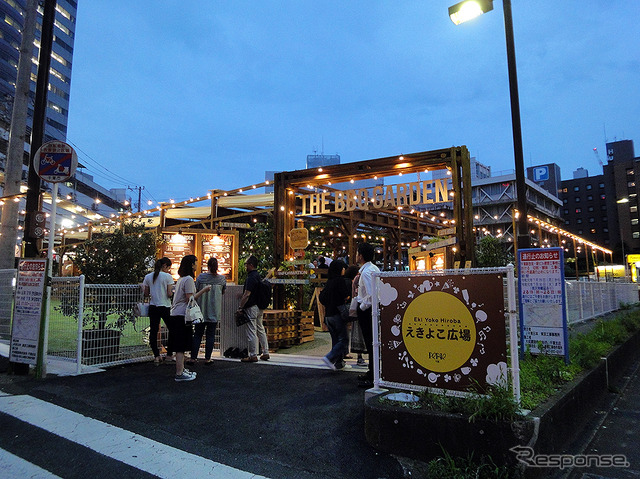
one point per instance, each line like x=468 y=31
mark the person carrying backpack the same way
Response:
x=252 y=299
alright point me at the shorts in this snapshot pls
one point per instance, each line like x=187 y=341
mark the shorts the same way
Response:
x=180 y=334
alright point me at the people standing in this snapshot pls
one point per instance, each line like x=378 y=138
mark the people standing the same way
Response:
x=180 y=332
x=356 y=341
x=211 y=305
x=249 y=302
x=335 y=294
x=159 y=287
x=364 y=258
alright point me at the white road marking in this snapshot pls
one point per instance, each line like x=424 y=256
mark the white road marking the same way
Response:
x=14 y=466
x=119 y=444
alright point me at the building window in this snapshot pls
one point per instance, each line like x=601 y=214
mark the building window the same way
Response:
x=590 y=209
x=579 y=232
x=604 y=219
x=577 y=199
x=601 y=185
x=578 y=210
x=564 y=190
x=579 y=221
x=633 y=209
x=589 y=187
x=590 y=198
x=602 y=197
x=566 y=212
x=592 y=220
x=636 y=235
x=567 y=222
x=606 y=230
x=634 y=221
x=576 y=188
x=593 y=231
x=630 y=172
x=631 y=184
x=565 y=201
x=603 y=207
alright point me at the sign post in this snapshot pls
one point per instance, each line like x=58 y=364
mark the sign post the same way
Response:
x=55 y=162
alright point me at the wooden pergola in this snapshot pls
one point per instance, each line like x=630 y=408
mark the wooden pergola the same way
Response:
x=291 y=186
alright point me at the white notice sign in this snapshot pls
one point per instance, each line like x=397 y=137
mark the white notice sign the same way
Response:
x=27 y=310
x=543 y=319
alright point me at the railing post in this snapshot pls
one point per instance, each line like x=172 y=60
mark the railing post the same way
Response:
x=80 y=321
x=513 y=332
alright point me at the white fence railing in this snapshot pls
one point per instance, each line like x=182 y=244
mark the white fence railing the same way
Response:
x=110 y=334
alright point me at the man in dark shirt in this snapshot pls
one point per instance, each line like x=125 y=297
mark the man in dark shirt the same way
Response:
x=255 y=328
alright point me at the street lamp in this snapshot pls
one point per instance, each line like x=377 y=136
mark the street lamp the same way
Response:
x=624 y=260
x=467 y=10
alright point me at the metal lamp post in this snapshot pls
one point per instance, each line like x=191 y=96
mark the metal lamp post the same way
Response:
x=467 y=10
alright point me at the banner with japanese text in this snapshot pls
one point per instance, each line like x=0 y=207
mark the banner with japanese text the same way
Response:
x=443 y=331
x=541 y=296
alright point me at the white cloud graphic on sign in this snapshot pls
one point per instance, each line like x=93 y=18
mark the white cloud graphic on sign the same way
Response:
x=387 y=294
x=497 y=374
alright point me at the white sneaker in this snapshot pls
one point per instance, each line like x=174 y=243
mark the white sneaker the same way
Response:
x=329 y=364
x=191 y=373
x=184 y=377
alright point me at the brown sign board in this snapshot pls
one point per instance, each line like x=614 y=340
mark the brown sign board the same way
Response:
x=442 y=331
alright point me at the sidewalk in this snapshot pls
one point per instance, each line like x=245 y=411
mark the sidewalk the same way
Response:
x=617 y=432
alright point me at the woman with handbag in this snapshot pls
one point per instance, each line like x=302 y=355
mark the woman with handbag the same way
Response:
x=159 y=287
x=181 y=332
x=334 y=297
x=211 y=306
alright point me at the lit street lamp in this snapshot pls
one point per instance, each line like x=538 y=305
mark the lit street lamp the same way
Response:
x=467 y=10
x=624 y=259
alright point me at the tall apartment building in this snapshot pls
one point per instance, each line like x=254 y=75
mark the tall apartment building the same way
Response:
x=604 y=208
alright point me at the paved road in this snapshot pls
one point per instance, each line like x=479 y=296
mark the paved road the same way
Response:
x=235 y=421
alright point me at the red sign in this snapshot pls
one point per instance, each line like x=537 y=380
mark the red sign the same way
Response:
x=55 y=161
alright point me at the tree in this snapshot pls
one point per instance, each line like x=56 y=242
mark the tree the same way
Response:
x=491 y=252
x=122 y=256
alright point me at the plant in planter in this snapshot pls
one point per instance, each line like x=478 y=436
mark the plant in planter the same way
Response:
x=114 y=260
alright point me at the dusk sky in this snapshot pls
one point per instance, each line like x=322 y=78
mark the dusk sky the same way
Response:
x=185 y=96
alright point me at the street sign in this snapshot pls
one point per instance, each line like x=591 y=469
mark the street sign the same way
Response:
x=55 y=162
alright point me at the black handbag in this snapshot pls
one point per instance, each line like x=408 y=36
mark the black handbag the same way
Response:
x=343 y=309
x=241 y=317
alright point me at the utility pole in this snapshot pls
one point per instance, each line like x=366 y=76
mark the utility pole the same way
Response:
x=139 y=188
x=37 y=130
x=17 y=140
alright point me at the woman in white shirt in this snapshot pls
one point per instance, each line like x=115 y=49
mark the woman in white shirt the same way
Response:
x=180 y=332
x=159 y=286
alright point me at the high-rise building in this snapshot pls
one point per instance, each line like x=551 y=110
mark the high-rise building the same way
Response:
x=12 y=13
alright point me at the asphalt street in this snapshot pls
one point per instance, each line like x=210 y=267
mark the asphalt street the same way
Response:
x=270 y=421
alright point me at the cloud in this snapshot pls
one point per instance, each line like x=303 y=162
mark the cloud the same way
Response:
x=387 y=294
x=497 y=374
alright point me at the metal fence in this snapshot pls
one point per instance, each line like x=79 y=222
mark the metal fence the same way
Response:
x=586 y=300
x=110 y=333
